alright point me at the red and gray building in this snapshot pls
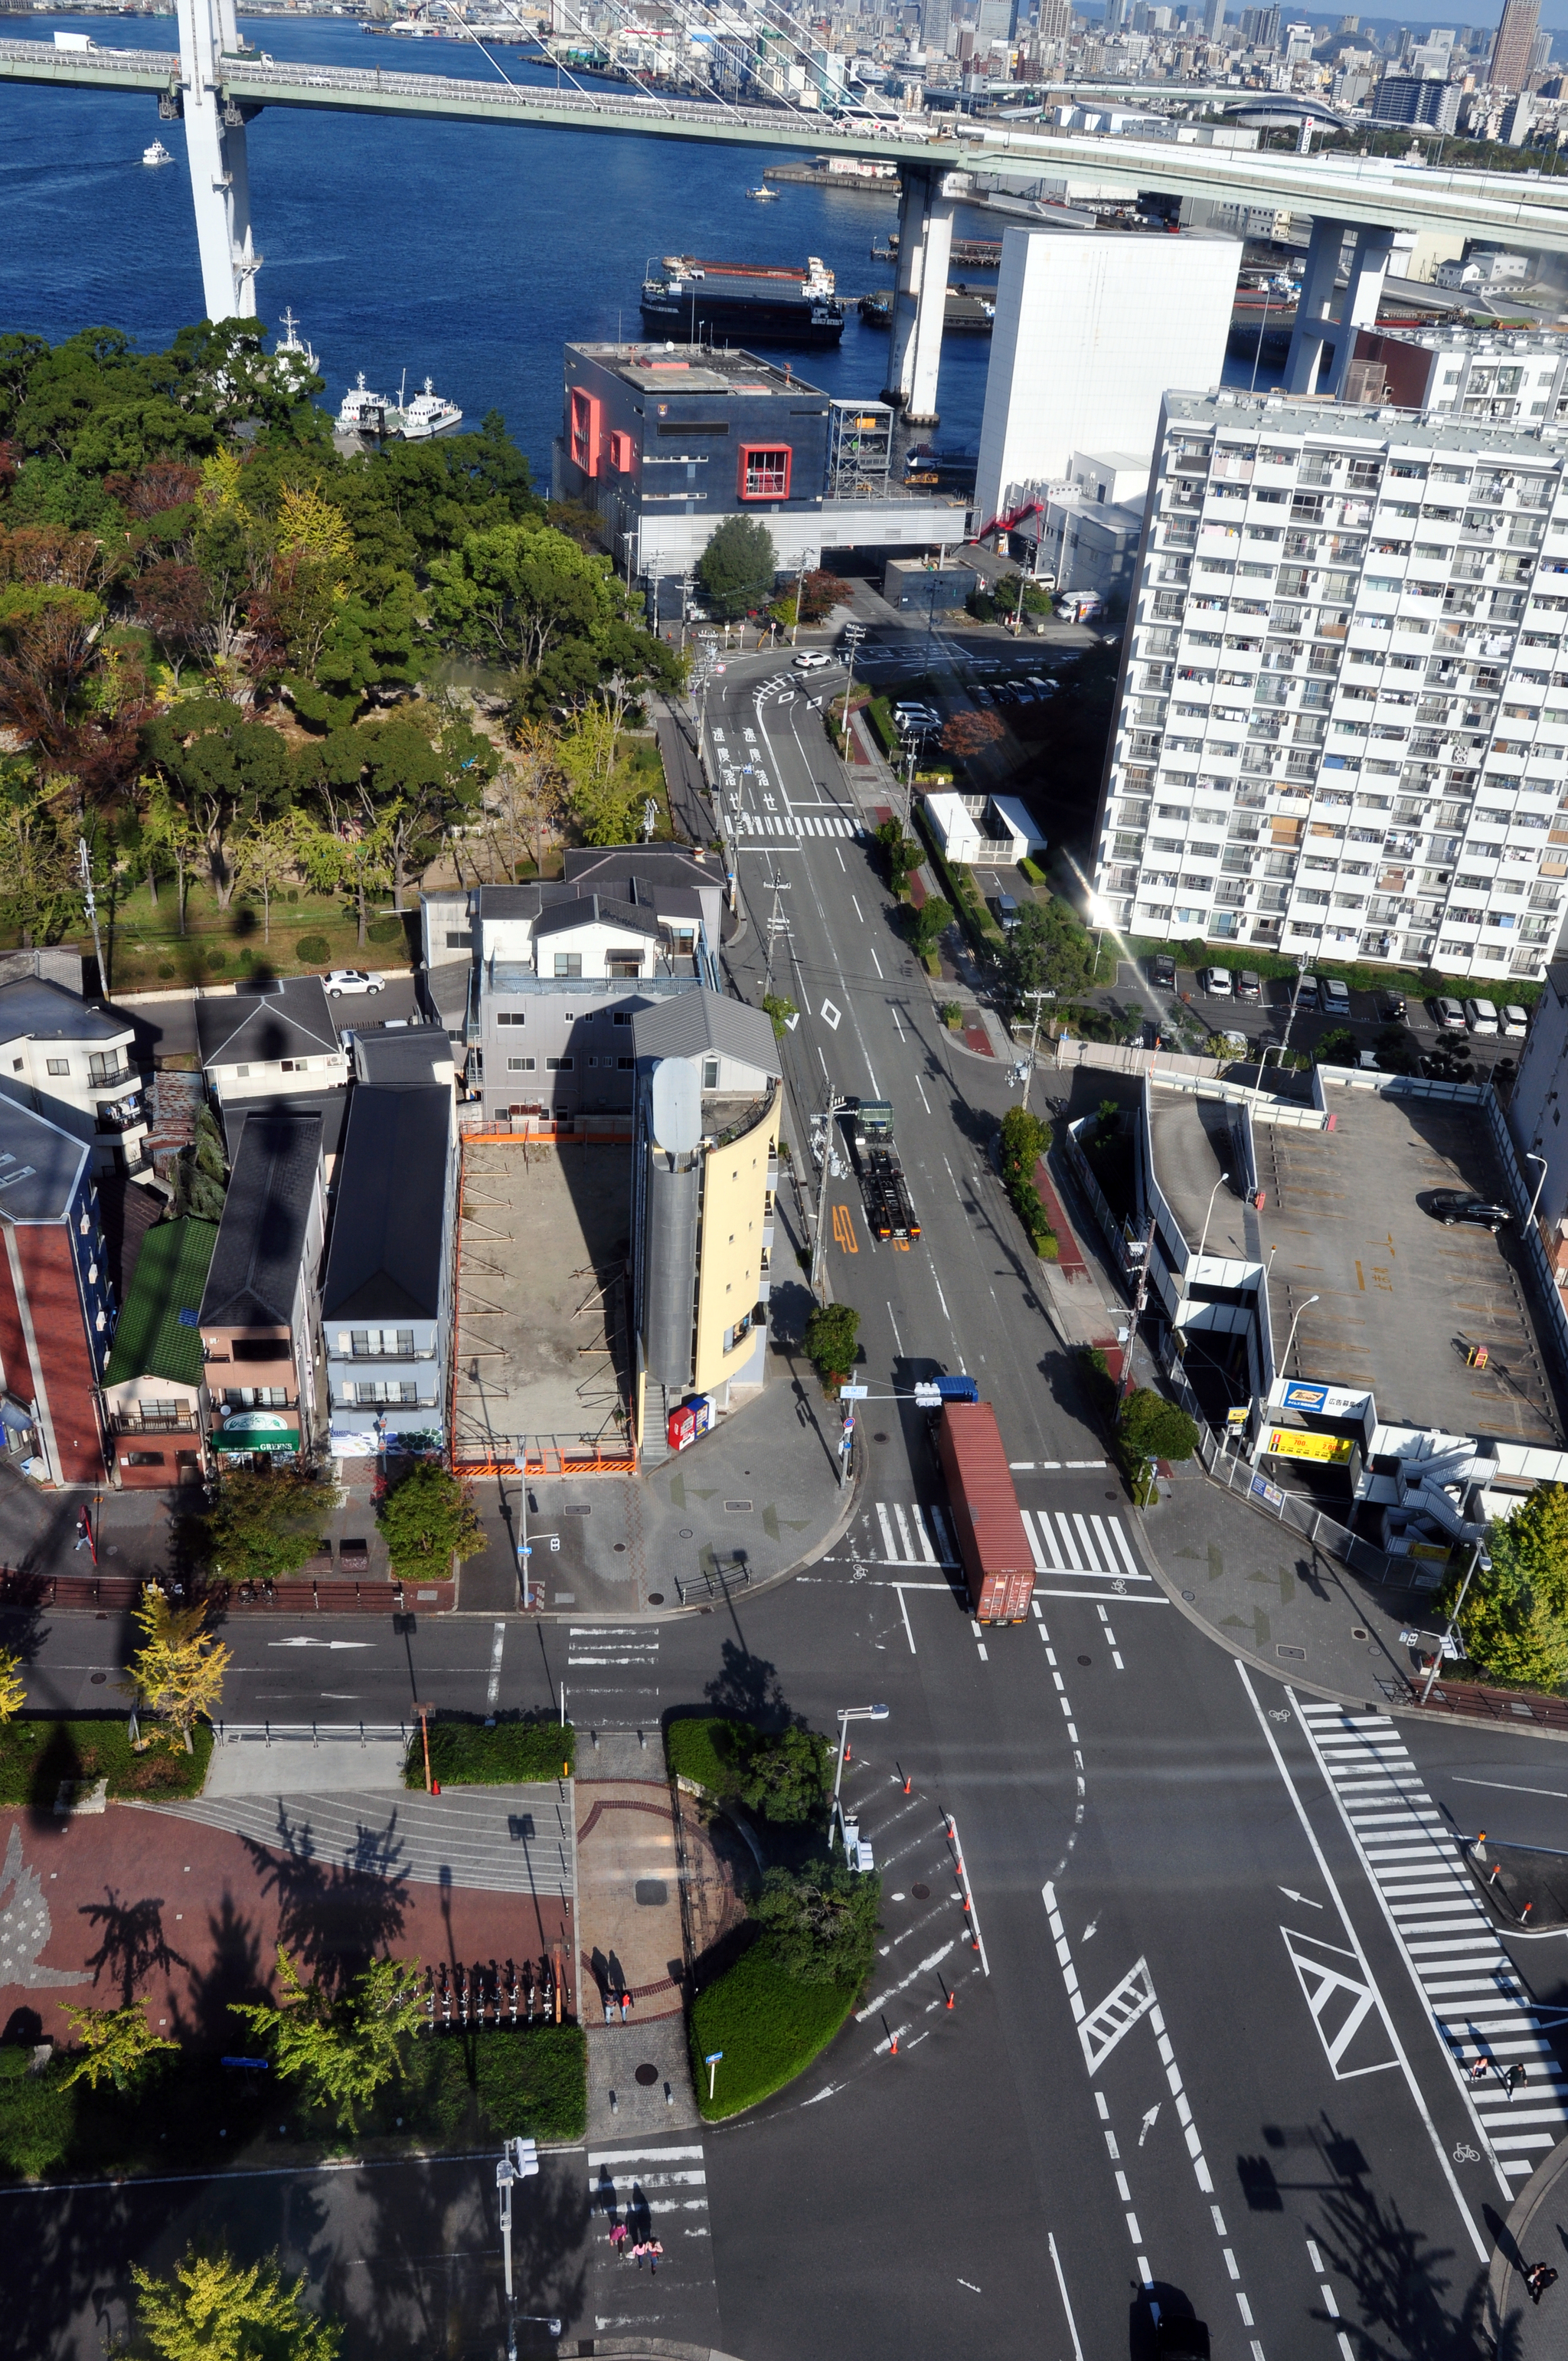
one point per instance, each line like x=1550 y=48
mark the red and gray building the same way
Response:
x=57 y=1305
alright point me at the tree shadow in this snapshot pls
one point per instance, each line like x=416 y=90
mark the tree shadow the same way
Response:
x=235 y=1974
x=747 y=1687
x=333 y=1917
x=1419 y=2297
x=60 y=1761
x=132 y=1945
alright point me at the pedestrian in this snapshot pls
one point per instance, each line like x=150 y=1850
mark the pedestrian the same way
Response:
x=1538 y=2280
x=638 y=2251
x=80 y=1540
x=1480 y=2070
x=625 y=2005
x=655 y=2248
x=617 y=2235
x=1512 y=2079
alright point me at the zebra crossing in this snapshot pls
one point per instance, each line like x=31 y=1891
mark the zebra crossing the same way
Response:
x=914 y=1536
x=1069 y=1541
x=651 y=2192
x=791 y=828
x=1480 y=2008
x=629 y=1648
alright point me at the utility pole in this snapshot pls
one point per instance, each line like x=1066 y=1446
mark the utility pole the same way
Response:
x=89 y=902
x=853 y=633
x=1039 y=999
x=820 y=1244
x=1139 y=1299
x=776 y=925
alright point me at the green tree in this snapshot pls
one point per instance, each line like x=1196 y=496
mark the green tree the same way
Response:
x=513 y=592
x=226 y=771
x=1151 y=1428
x=178 y=1671
x=263 y=1527
x=1515 y=1619
x=1026 y=1137
x=830 y=1334
x=1339 y=1047
x=345 y=2046
x=201 y=1174
x=215 y=2310
x=604 y=796
x=13 y=1688
x=1049 y=950
x=786 y=1777
x=735 y=570
x=115 y=2044
x=780 y=1011
x=929 y=924
x=904 y=854
x=820 y=1922
x=426 y=1518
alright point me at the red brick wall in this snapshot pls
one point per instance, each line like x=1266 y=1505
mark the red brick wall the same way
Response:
x=48 y=1275
x=13 y=1343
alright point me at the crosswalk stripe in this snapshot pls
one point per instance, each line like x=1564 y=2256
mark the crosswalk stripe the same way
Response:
x=907 y=1551
x=1035 y=1551
x=1067 y=1541
x=924 y=1538
x=886 y=1533
x=1479 y=2006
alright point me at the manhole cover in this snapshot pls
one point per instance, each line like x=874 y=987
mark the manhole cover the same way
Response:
x=685 y=1533
x=921 y=1892
x=575 y=1509
x=879 y=1438
x=99 y=1679
x=1110 y=1496
x=737 y=1507
x=655 y=1599
x=620 y=1549
x=1190 y=1594
x=1357 y=1633
x=1282 y=1650
x=648 y=2076
x=1086 y=1660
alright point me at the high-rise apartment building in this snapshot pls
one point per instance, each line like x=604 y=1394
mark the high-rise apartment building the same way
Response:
x=1260 y=29
x=1213 y=18
x=1515 y=45
x=936 y=16
x=1416 y=98
x=1055 y=20
x=1343 y=704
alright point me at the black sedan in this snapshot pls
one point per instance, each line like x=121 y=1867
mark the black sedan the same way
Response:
x=1451 y=1205
x=1162 y=971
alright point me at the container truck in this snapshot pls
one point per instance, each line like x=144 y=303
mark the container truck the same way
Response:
x=884 y=1188
x=987 y=1524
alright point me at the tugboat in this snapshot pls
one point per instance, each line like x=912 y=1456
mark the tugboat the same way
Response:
x=363 y=412
x=156 y=154
x=428 y=413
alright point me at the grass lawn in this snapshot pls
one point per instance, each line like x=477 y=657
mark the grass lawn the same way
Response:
x=147 y=952
x=459 y=2089
x=704 y=1748
x=35 y=1756
x=463 y=1753
x=769 y=2027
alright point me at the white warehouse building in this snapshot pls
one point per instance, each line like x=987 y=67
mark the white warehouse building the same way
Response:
x=1344 y=702
x=1090 y=329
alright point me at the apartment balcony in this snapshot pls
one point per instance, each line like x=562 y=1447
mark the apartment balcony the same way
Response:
x=121 y=1114
x=114 y=1077
x=151 y=1422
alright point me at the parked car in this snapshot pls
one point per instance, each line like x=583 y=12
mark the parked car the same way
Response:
x=981 y=692
x=811 y=660
x=350 y=979
x=1334 y=996
x=1308 y=994
x=1249 y=985
x=1162 y=972
x=1216 y=983
x=1449 y=1013
x=1451 y=1205
x=1390 y=1007
x=1481 y=1015
x=1516 y=1022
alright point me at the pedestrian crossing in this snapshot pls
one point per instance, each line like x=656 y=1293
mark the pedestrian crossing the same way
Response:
x=1068 y=1542
x=791 y=828
x=626 y=2184
x=629 y=1654
x=1480 y=2008
x=913 y=1535
x=637 y=2194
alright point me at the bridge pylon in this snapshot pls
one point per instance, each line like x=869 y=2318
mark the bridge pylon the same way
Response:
x=920 y=295
x=1323 y=343
x=214 y=148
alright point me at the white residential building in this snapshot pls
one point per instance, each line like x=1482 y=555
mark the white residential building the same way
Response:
x=1344 y=717
x=1090 y=329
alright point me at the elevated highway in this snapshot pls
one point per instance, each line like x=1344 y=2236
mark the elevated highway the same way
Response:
x=216 y=85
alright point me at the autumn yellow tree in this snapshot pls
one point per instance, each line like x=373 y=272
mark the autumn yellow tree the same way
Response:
x=13 y=1690
x=215 y=2310
x=113 y=2045
x=177 y=1672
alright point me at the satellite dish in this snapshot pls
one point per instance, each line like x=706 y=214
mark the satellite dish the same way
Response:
x=676 y=1106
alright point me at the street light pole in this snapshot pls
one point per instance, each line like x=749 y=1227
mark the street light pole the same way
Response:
x=1039 y=998
x=1208 y=1216
x=1285 y=1364
x=820 y=1244
x=1478 y=1558
x=1531 y=1158
x=847 y=1714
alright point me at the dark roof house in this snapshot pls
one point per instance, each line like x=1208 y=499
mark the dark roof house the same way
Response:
x=386 y=1259
x=292 y=1018
x=265 y=1231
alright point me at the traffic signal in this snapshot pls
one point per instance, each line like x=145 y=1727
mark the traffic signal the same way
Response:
x=526 y=2152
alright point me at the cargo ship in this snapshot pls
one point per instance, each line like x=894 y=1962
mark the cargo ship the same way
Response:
x=741 y=302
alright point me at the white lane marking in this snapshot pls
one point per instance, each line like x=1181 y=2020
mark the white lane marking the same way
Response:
x=859 y=912
x=903 y=1610
x=1559 y=1794
x=876 y=963
x=932 y=1960
x=1482 y=2251
x=892 y=1323
x=1061 y=2282
x=492 y=1693
x=899 y=1029
x=921 y=1088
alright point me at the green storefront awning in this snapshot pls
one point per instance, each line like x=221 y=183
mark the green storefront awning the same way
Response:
x=226 y=1438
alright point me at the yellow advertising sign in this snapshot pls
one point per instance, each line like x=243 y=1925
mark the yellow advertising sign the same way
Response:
x=1291 y=1443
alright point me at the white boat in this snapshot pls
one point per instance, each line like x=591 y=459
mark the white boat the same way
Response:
x=428 y=413
x=764 y=195
x=292 y=343
x=156 y=154
x=362 y=412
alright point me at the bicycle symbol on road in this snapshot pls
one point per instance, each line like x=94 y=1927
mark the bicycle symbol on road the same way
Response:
x=1463 y=2155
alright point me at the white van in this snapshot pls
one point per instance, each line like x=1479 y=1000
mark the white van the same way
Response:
x=1516 y=1022
x=1216 y=981
x=1481 y=1015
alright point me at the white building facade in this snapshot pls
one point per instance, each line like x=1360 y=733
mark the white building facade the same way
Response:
x=1090 y=331
x=1344 y=702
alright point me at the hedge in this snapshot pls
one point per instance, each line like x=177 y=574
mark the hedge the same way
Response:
x=35 y=1756
x=467 y=1750
x=1196 y=953
x=769 y=2027
x=704 y=1748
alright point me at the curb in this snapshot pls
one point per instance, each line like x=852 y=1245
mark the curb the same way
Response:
x=645 y=2348
x=1521 y=2214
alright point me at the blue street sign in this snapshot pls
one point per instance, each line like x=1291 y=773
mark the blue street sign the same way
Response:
x=713 y=2057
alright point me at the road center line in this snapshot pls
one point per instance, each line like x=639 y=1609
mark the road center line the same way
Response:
x=1061 y=2282
x=903 y=1610
x=493 y=1693
x=1503 y=1786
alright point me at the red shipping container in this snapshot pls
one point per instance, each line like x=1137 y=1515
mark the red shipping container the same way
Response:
x=987 y=1524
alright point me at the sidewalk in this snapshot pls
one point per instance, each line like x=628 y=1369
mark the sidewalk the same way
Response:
x=1535 y=2232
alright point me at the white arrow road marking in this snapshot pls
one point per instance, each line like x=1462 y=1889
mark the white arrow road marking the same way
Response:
x=1291 y=1895
x=321 y=1644
x=1149 y=2122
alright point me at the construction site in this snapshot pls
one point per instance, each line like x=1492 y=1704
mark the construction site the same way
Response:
x=541 y=1371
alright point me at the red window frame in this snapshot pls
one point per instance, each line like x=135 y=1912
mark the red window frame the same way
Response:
x=764 y=471
x=622 y=452
x=583 y=427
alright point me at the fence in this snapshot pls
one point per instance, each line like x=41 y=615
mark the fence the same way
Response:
x=1475 y=1703
x=111 y=1591
x=713 y=1580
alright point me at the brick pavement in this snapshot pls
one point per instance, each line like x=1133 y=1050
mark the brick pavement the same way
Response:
x=144 y=1903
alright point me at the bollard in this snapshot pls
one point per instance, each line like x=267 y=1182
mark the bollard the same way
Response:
x=893 y=2047
x=949 y=2000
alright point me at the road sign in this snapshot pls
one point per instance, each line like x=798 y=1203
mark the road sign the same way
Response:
x=713 y=2057
x=853 y=1393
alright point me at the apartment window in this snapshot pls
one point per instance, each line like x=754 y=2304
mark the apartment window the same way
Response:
x=626 y=1064
x=521 y=1065
x=58 y=1065
x=711 y=1074
x=104 y=1066
x=370 y=1344
x=623 y=1016
x=511 y=1016
x=385 y=1391
x=256 y=1397
x=568 y=963
x=459 y=938
x=558 y=1065
x=623 y=963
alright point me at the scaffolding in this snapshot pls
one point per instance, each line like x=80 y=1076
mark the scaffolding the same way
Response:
x=860 y=449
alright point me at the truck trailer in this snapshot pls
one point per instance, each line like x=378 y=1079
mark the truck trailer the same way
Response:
x=883 y=1188
x=987 y=1523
